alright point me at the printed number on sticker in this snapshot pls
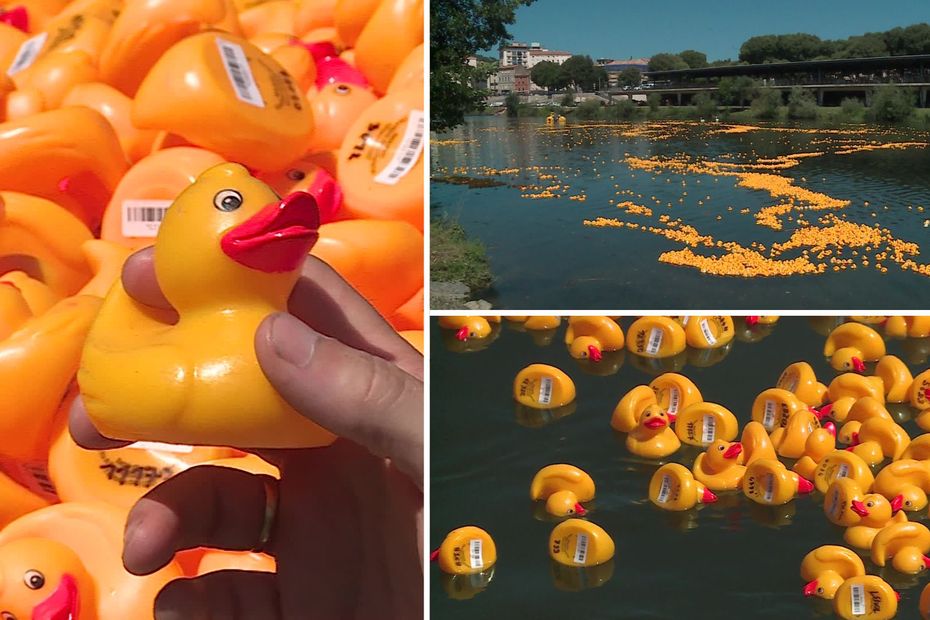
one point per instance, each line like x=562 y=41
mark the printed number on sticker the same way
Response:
x=27 y=54
x=842 y=471
x=581 y=549
x=708 y=335
x=545 y=391
x=768 y=418
x=239 y=72
x=710 y=429
x=141 y=218
x=857 y=596
x=654 y=342
x=475 y=555
x=674 y=399
x=769 y=487
x=407 y=154
x=665 y=489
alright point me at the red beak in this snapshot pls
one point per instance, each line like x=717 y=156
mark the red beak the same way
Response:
x=897 y=503
x=926 y=562
x=733 y=451
x=708 y=497
x=654 y=423
x=830 y=428
x=62 y=604
x=277 y=238
x=671 y=417
x=927 y=393
x=330 y=67
x=433 y=555
x=17 y=17
x=897 y=595
x=752 y=321
x=594 y=354
x=462 y=334
x=580 y=510
x=810 y=588
x=859 y=508
x=804 y=485
x=858 y=366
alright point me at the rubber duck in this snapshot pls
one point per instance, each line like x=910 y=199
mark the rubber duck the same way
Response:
x=228 y=224
x=905 y=544
x=837 y=503
x=550 y=120
x=907 y=477
x=190 y=91
x=800 y=379
x=214 y=560
x=842 y=464
x=466 y=327
x=410 y=72
x=718 y=467
x=67 y=557
x=653 y=438
x=857 y=386
x=865 y=597
x=896 y=378
x=819 y=443
x=70 y=156
x=701 y=423
x=878 y=439
x=708 y=332
x=673 y=487
x=791 y=439
x=54 y=73
x=16 y=501
x=575 y=542
x=541 y=386
x=875 y=513
x=350 y=16
x=756 y=443
x=825 y=568
x=919 y=398
x=541 y=323
x=918 y=449
x=774 y=406
x=588 y=337
x=655 y=336
x=35 y=294
x=630 y=408
x=563 y=487
x=850 y=345
x=675 y=392
x=770 y=483
x=861 y=410
x=908 y=326
x=380 y=165
x=467 y=551
x=705 y=358
x=925 y=603
x=838 y=410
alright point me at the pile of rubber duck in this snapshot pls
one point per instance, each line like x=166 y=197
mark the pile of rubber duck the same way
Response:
x=839 y=437
x=127 y=123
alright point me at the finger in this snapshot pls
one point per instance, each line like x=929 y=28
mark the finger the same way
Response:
x=84 y=433
x=205 y=506
x=349 y=392
x=139 y=279
x=223 y=595
x=329 y=304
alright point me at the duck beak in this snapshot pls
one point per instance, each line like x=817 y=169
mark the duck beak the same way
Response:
x=830 y=427
x=708 y=497
x=594 y=354
x=277 y=238
x=434 y=555
x=733 y=451
x=462 y=334
x=62 y=604
x=926 y=562
x=822 y=412
x=752 y=321
x=858 y=365
x=810 y=588
x=17 y=17
x=654 y=423
x=897 y=503
x=859 y=508
x=580 y=510
x=805 y=486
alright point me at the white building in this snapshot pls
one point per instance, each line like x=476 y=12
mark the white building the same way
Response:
x=540 y=55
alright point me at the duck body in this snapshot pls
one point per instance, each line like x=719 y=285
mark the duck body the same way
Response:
x=718 y=467
x=875 y=513
x=850 y=345
x=653 y=438
x=827 y=567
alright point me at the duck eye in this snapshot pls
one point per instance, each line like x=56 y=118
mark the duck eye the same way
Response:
x=819 y=590
x=870 y=504
x=720 y=448
x=342 y=89
x=296 y=175
x=227 y=200
x=34 y=579
x=7 y=616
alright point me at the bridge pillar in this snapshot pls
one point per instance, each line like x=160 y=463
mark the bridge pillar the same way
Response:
x=679 y=98
x=923 y=97
x=868 y=98
x=820 y=96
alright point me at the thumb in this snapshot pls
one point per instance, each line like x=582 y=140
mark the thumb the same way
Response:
x=349 y=392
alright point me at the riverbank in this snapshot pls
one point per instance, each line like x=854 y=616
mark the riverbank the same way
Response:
x=459 y=267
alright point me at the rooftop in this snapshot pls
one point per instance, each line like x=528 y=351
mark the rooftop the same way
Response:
x=793 y=67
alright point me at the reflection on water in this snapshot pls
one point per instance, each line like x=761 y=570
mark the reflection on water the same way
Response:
x=668 y=204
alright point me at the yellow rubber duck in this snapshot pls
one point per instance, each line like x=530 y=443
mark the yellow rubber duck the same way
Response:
x=718 y=467
x=774 y=406
x=791 y=439
x=850 y=345
x=701 y=423
x=827 y=567
x=65 y=560
x=819 y=443
x=655 y=337
x=588 y=337
x=908 y=478
x=466 y=551
x=865 y=597
x=137 y=369
x=708 y=332
x=919 y=397
x=918 y=449
x=842 y=464
x=673 y=487
x=756 y=443
x=468 y=327
x=563 y=487
x=856 y=386
x=541 y=386
x=575 y=542
x=875 y=514
x=37 y=296
x=799 y=378
x=653 y=438
x=895 y=376
x=878 y=439
x=770 y=483
x=908 y=326
x=905 y=544
x=675 y=392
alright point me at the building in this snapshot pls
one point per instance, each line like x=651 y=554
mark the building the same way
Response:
x=615 y=68
x=510 y=80
x=537 y=56
x=515 y=54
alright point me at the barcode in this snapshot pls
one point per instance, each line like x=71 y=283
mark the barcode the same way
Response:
x=581 y=549
x=674 y=399
x=408 y=152
x=664 y=489
x=842 y=471
x=769 y=487
x=834 y=501
x=710 y=429
x=161 y=447
x=708 y=335
x=655 y=341
x=857 y=594
x=27 y=54
x=768 y=418
x=141 y=218
x=240 y=74
x=545 y=391
x=475 y=556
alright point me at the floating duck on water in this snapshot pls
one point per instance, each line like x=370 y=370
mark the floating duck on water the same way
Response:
x=656 y=337
x=468 y=327
x=701 y=423
x=756 y=444
x=541 y=386
x=673 y=487
x=840 y=464
x=819 y=443
x=653 y=437
x=908 y=478
x=467 y=550
x=896 y=378
x=588 y=337
x=865 y=597
x=825 y=569
x=670 y=391
x=850 y=345
x=719 y=467
x=575 y=542
x=770 y=483
x=708 y=332
x=905 y=544
x=564 y=488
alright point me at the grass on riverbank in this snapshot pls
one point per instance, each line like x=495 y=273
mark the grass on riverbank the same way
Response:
x=456 y=258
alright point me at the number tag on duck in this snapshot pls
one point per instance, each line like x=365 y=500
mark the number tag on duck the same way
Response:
x=407 y=154
x=842 y=471
x=581 y=549
x=161 y=447
x=239 y=72
x=769 y=487
x=665 y=489
x=545 y=391
x=475 y=554
x=674 y=400
x=27 y=54
x=768 y=417
x=655 y=341
x=708 y=335
x=141 y=218
x=857 y=599
x=710 y=429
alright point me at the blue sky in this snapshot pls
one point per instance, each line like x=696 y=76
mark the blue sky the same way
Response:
x=633 y=28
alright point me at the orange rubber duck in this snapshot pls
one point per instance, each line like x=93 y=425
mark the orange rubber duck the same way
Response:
x=790 y=440
x=708 y=332
x=908 y=478
x=673 y=487
x=819 y=444
x=905 y=544
x=850 y=345
x=799 y=378
x=880 y=438
x=770 y=483
x=895 y=376
x=701 y=423
x=468 y=327
x=719 y=467
x=842 y=464
x=856 y=386
x=16 y=501
x=588 y=337
x=564 y=488
x=392 y=31
x=304 y=175
x=249 y=244
x=756 y=444
x=774 y=406
x=655 y=337
x=653 y=438
x=908 y=326
x=827 y=567
x=875 y=513
x=865 y=597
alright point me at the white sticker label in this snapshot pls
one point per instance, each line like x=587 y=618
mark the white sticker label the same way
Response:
x=141 y=218
x=857 y=598
x=834 y=501
x=684 y=321
x=674 y=400
x=708 y=335
x=239 y=72
x=654 y=342
x=475 y=554
x=581 y=549
x=842 y=471
x=162 y=447
x=710 y=429
x=545 y=391
x=769 y=487
x=408 y=153
x=665 y=489
x=27 y=54
x=768 y=417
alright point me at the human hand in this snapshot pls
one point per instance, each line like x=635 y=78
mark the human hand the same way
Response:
x=348 y=534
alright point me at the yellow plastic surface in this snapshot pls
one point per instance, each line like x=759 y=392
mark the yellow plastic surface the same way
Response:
x=562 y=477
x=626 y=414
x=856 y=386
x=774 y=406
x=335 y=108
x=655 y=336
x=720 y=467
x=673 y=487
x=853 y=340
x=575 y=542
x=800 y=379
x=829 y=566
x=790 y=440
x=842 y=464
x=653 y=437
x=905 y=544
x=769 y=483
x=896 y=377
x=708 y=332
x=675 y=392
x=392 y=31
x=701 y=423
x=756 y=443
x=879 y=600
x=906 y=477
x=541 y=386
x=466 y=551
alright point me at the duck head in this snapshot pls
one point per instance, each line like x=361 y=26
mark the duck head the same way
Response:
x=565 y=504
x=41 y=579
x=586 y=347
x=723 y=454
x=229 y=237
x=875 y=509
x=654 y=419
x=825 y=586
x=849 y=359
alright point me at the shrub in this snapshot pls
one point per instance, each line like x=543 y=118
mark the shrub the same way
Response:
x=654 y=101
x=801 y=104
x=705 y=105
x=892 y=104
x=852 y=108
x=568 y=99
x=588 y=108
x=512 y=103
x=766 y=103
x=623 y=109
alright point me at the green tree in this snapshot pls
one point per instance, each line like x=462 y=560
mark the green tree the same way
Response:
x=865 y=46
x=549 y=75
x=582 y=73
x=704 y=104
x=512 y=103
x=914 y=39
x=667 y=62
x=737 y=90
x=852 y=108
x=631 y=77
x=801 y=104
x=458 y=29
x=766 y=103
x=756 y=50
x=588 y=109
x=625 y=109
x=654 y=101
x=694 y=59
x=892 y=104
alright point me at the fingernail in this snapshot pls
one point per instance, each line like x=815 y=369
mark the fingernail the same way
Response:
x=292 y=340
